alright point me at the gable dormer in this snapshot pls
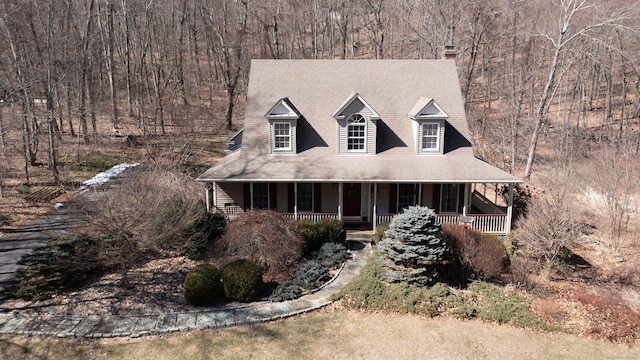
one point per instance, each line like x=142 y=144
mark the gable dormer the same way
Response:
x=357 y=127
x=283 y=121
x=428 y=123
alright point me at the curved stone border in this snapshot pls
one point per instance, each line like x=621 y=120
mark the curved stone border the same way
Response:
x=93 y=326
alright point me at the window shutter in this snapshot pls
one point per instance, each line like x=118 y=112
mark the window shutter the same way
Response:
x=273 y=196
x=291 y=197
x=246 y=190
x=461 y=188
x=317 y=198
x=436 y=197
x=393 y=198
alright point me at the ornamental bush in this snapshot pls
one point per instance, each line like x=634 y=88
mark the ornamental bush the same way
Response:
x=478 y=255
x=202 y=233
x=202 y=285
x=265 y=237
x=62 y=263
x=324 y=231
x=413 y=247
x=242 y=280
x=311 y=274
x=331 y=254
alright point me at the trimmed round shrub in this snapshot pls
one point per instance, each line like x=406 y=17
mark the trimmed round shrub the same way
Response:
x=202 y=285
x=242 y=280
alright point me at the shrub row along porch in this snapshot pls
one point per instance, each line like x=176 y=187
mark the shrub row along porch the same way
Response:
x=363 y=203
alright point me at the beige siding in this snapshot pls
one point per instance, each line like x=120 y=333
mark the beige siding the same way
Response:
x=372 y=130
x=229 y=193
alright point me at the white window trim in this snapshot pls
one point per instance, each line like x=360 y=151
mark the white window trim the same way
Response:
x=274 y=137
x=456 y=202
x=422 y=136
x=364 y=149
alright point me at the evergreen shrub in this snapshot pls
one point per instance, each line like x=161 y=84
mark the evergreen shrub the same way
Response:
x=331 y=255
x=324 y=231
x=242 y=280
x=202 y=285
x=202 y=233
x=62 y=263
x=311 y=274
x=379 y=233
x=413 y=247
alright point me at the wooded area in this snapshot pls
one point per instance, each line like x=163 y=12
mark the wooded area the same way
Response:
x=527 y=68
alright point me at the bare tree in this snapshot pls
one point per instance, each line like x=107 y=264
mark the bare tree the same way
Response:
x=567 y=31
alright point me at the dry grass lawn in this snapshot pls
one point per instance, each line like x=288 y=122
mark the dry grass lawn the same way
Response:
x=333 y=334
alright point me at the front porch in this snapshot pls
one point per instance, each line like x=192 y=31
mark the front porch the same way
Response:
x=368 y=204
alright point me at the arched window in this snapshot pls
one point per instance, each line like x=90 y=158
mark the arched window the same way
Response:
x=356 y=133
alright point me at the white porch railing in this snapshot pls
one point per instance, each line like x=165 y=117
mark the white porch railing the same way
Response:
x=311 y=216
x=489 y=223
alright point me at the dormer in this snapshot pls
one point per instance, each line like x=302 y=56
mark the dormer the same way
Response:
x=428 y=123
x=357 y=127
x=283 y=121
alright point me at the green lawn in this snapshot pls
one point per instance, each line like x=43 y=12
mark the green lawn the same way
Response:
x=332 y=334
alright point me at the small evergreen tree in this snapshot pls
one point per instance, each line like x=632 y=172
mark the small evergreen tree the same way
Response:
x=412 y=246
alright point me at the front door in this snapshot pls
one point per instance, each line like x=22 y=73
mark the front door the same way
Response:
x=351 y=198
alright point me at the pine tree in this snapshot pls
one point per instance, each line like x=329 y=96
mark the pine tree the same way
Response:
x=412 y=247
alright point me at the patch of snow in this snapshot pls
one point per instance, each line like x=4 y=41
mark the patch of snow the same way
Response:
x=105 y=176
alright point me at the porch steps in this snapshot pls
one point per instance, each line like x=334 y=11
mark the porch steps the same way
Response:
x=360 y=235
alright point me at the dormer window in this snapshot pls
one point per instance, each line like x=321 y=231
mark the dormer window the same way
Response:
x=357 y=128
x=356 y=133
x=428 y=126
x=281 y=136
x=430 y=139
x=283 y=119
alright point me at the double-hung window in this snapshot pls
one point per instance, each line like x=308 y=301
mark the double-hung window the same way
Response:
x=406 y=196
x=281 y=136
x=356 y=133
x=305 y=197
x=449 y=198
x=430 y=137
x=261 y=196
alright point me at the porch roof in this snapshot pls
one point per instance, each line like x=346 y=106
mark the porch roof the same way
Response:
x=455 y=167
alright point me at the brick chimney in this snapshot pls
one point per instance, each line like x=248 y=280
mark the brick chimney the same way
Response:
x=449 y=53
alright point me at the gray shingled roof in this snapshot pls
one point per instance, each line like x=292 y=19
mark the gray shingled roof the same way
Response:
x=318 y=88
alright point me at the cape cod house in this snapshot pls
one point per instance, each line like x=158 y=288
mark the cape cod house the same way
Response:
x=356 y=140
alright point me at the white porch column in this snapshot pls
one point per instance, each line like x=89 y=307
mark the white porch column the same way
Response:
x=213 y=194
x=207 y=197
x=374 y=221
x=340 y=204
x=420 y=194
x=295 y=200
x=507 y=225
